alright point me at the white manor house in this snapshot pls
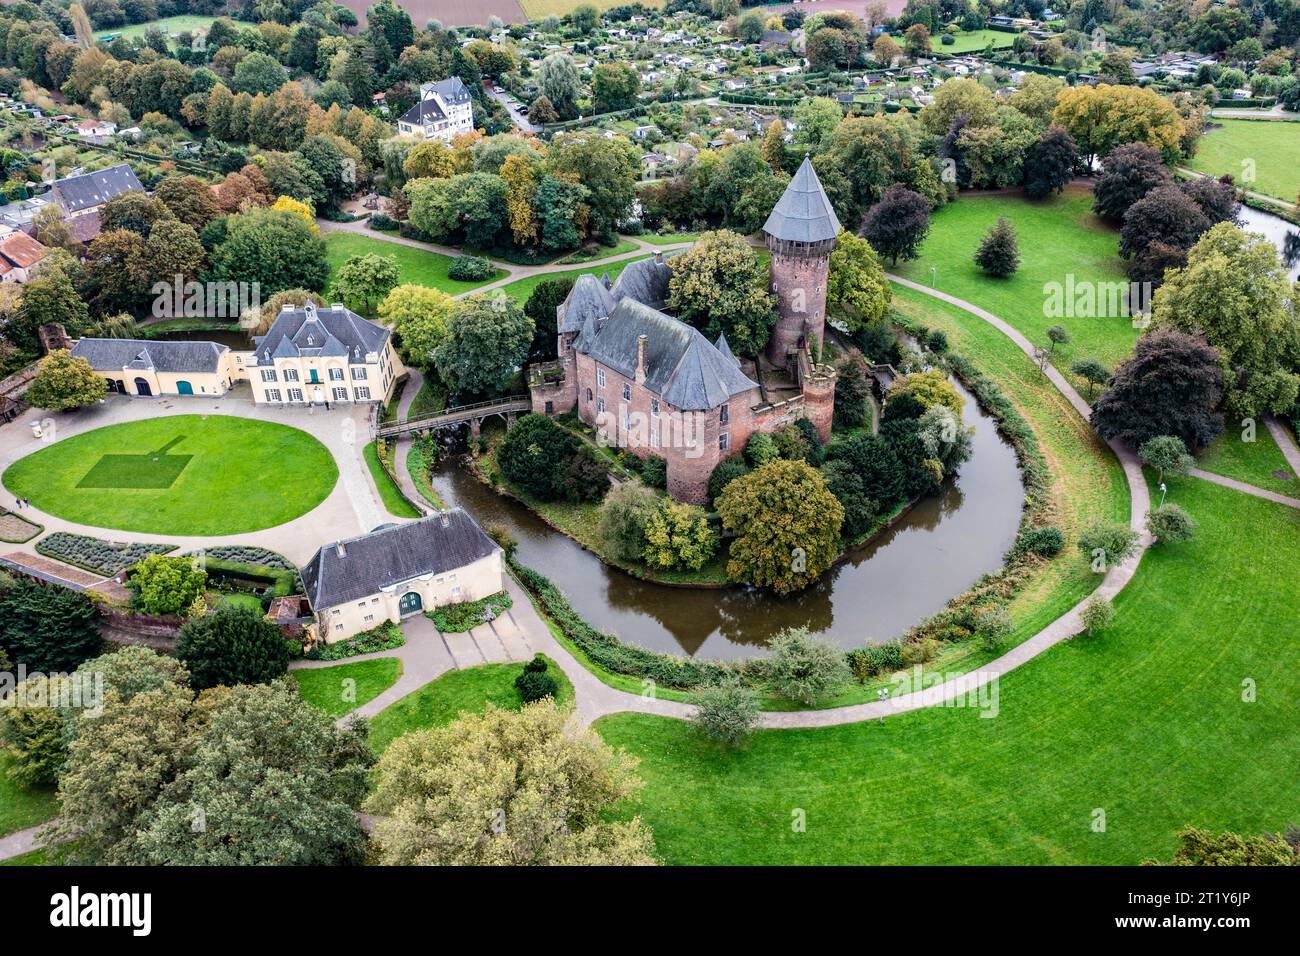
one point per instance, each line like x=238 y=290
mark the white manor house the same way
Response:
x=309 y=356
x=444 y=111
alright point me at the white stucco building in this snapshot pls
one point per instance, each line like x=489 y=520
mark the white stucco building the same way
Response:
x=444 y=111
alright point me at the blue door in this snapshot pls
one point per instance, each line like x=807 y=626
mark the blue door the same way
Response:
x=411 y=603
x=184 y=388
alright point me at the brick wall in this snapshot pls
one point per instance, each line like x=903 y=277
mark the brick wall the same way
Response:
x=799 y=284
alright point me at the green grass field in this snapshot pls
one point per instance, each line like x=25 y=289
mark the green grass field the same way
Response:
x=20 y=807
x=976 y=40
x=168 y=25
x=414 y=266
x=541 y=9
x=388 y=491
x=1259 y=463
x=1146 y=723
x=1260 y=156
x=241 y=475
x=345 y=687
x=1058 y=237
x=521 y=289
x=441 y=701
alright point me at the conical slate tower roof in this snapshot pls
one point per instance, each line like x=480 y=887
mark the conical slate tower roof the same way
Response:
x=803 y=213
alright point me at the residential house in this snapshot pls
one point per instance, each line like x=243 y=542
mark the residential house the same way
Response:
x=444 y=111
x=87 y=193
x=400 y=571
x=19 y=255
x=150 y=367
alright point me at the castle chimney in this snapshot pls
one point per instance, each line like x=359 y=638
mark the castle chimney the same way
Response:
x=640 y=358
x=659 y=258
x=443 y=519
x=341 y=548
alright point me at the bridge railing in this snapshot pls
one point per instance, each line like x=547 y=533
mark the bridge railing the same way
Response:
x=459 y=413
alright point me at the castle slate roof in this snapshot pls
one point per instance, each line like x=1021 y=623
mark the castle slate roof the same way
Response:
x=114 y=355
x=320 y=332
x=646 y=281
x=359 y=567
x=588 y=298
x=427 y=110
x=803 y=213
x=93 y=189
x=682 y=367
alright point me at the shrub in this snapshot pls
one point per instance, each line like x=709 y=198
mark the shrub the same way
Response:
x=166 y=585
x=1107 y=544
x=586 y=477
x=96 y=555
x=726 y=471
x=384 y=223
x=992 y=626
x=679 y=536
x=875 y=659
x=1097 y=614
x=385 y=637
x=624 y=514
x=503 y=536
x=805 y=669
x=470 y=269
x=232 y=646
x=937 y=342
x=947 y=39
x=761 y=449
x=725 y=712
x=1167 y=455
x=1170 y=524
x=534 y=455
x=47 y=629
x=1045 y=541
x=999 y=252
x=465 y=615
x=654 y=472
x=537 y=664
x=535 y=685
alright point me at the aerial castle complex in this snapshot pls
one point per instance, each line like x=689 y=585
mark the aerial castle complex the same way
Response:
x=655 y=385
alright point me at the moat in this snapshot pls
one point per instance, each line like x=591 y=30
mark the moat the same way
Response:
x=938 y=549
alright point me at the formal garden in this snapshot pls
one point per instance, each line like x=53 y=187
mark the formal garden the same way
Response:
x=178 y=475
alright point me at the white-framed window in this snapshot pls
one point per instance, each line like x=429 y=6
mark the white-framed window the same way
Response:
x=273 y=395
x=627 y=392
x=724 y=414
x=268 y=375
x=455 y=592
x=291 y=375
x=722 y=442
x=336 y=612
x=363 y=395
x=336 y=375
x=359 y=373
x=295 y=395
x=654 y=406
x=368 y=618
x=600 y=404
x=340 y=394
x=654 y=434
x=338 y=627
x=600 y=378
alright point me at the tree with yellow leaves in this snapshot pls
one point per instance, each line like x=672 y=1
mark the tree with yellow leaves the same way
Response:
x=521 y=187
x=289 y=204
x=1102 y=117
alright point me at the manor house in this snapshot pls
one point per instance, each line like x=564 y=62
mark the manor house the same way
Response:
x=652 y=383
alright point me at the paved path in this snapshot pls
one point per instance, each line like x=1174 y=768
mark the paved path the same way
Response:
x=1244 y=488
x=352 y=507
x=20 y=842
x=413 y=384
x=1285 y=442
x=1262 y=197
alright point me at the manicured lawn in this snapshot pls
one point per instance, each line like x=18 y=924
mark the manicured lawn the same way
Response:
x=1145 y=722
x=521 y=289
x=248 y=602
x=168 y=25
x=622 y=247
x=35 y=858
x=975 y=40
x=440 y=702
x=1241 y=147
x=20 y=807
x=1058 y=237
x=345 y=687
x=1088 y=482
x=414 y=266
x=179 y=474
x=388 y=491
x=1259 y=463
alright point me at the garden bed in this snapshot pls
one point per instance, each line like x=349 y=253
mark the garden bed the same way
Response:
x=385 y=637
x=93 y=554
x=17 y=530
x=465 y=615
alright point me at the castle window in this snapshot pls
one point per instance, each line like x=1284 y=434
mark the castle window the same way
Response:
x=600 y=404
x=627 y=392
x=723 y=416
x=654 y=406
x=722 y=442
x=654 y=435
x=589 y=395
x=600 y=378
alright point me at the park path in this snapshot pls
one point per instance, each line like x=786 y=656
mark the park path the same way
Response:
x=20 y=842
x=1262 y=197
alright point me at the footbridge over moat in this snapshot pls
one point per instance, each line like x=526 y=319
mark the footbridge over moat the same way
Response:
x=506 y=408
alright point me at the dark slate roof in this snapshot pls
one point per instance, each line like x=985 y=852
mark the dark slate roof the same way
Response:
x=803 y=213
x=725 y=349
x=646 y=281
x=681 y=366
x=92 y=189
x=451 y=89
x=425 y=111
x=114 y=355
x=589 y=297
x=309 y=331
x=392 y=556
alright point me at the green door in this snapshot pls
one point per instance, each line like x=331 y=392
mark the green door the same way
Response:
x=410 y=604
x=184 y=388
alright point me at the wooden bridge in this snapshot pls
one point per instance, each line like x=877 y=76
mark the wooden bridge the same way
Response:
x=507 y=408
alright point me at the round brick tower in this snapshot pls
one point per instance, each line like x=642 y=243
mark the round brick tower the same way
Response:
x=819 y=399
x=801 y=233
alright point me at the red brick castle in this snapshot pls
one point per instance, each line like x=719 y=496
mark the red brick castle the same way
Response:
x=655 y=385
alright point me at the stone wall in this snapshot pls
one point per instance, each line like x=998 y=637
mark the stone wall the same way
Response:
x=799 y=284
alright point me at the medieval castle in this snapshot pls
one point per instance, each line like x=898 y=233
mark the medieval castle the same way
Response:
x=655 y=385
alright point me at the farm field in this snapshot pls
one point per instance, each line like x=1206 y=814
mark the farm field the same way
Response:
x=414 y=266
x=450 y=13
x=1146 y=723
x=1059 y=239
x=1244 y=148
x=540 y=9
x=176 y=475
